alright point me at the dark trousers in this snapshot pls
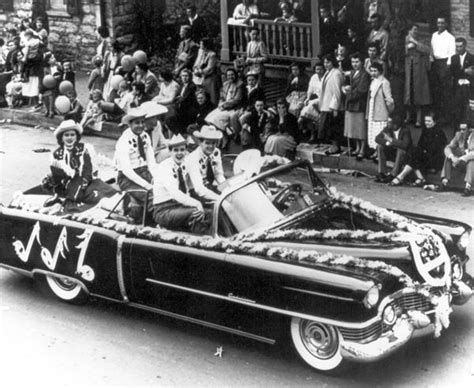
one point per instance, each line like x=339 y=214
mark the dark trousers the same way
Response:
x=330 y=127
x=134 y=208
x=461 y=101
x=441 y=87
x=385 y=153
x=175 y=216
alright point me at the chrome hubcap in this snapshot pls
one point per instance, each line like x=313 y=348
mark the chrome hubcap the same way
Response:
x=320 y=340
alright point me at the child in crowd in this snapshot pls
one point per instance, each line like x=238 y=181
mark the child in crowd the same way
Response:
x=48 y=95
x=93 y=116
x=67 y=74
x=125 y=98
x=96 y=79
x=76 y=107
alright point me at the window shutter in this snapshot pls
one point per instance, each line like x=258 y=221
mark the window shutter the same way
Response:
x=6 y=5
x=74 y=7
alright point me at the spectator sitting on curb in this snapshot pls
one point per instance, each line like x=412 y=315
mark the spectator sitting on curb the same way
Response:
x=392 y=143
x=427 y=154
x=460 y=155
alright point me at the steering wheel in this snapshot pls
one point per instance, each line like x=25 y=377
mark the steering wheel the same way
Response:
x=280 y=198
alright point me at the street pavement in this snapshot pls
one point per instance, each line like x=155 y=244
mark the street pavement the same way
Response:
x=46 y=342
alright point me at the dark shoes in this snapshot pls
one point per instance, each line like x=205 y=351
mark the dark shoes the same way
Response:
x=467 y=192
x=383 y=178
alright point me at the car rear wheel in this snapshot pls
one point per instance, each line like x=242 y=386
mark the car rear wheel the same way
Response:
x=66 y=289
x=318 y=344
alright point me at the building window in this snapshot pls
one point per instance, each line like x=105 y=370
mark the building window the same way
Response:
x=6 y=5
x=66 y=7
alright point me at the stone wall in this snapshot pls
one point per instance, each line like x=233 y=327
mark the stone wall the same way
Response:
x=460 y=21
x=74 y=37
x=22 y=9
x=123 y=19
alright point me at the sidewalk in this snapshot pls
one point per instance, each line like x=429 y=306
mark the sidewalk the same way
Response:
x=334 y=163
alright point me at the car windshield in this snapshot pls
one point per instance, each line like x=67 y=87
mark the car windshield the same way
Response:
x=271 y=198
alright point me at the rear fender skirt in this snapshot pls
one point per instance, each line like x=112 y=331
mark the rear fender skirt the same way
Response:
x=250 y=303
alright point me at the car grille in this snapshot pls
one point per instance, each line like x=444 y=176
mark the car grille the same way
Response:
x=366 y=334
x=406 y=302
x=413 y=301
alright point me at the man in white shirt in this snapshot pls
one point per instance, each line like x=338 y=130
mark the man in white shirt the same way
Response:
x=205 y=163
x=173 y=206
x=135 y=161
x=443 y=47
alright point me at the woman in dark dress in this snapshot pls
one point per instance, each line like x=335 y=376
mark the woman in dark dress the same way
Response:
x=428 y=154
x=73 y=174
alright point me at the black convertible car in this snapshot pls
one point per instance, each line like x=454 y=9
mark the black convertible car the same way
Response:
x=284 y=254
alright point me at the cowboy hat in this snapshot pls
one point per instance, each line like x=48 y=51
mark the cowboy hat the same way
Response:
x=152 y=109
x=133 y=113
x=176 y=140
x=208 y=132
x=68 y=125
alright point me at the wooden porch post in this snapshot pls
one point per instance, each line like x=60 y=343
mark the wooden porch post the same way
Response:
x=315 y=43
x=225 y=51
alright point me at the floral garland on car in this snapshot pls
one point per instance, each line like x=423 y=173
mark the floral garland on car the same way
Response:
x=250 y=244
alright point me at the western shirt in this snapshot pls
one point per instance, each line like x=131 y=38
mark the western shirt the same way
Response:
x=197 y=168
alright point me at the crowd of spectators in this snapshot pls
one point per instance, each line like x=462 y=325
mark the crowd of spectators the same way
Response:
x=347 y=101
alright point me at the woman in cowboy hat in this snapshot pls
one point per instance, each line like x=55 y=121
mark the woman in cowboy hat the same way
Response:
x=173 y=206
x=205 y=163
x=73 y=173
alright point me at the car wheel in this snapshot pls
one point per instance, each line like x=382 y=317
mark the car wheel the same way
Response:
x=318 y=344
x=66 y=290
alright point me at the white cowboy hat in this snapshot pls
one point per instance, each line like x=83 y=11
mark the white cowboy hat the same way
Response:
x=152 y=109
x=176 y=140
x=68 y=125
x=208 y=132
x=133 y=113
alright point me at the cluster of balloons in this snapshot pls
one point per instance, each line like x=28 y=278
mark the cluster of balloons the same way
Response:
x=62 y=103
x=128 y=63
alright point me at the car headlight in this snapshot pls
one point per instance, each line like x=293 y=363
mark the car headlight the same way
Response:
x=389 y=315
x=372 y=297
x=464 y=241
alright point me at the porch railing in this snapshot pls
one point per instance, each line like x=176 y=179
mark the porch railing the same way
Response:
x=284 y=41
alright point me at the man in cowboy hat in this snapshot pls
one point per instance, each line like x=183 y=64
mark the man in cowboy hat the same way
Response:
x=135 y=160
x=154 y=129
x=173 y=206
x=205 y=163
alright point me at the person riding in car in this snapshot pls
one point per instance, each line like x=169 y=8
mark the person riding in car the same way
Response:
x=205 y=163
x=73 y=173
x=173 y=206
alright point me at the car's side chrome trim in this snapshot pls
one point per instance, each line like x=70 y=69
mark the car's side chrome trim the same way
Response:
x=323 y=294
x=61 y=276
x=203 y=323
x=23 y=272
x=251 y=303
x=119 y=259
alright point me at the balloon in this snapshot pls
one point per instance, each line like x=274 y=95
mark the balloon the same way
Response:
x=128 y=63
x=140 y=56
x=62 y=104
x=49 y=82
x=115 y=81
x=65 y=86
